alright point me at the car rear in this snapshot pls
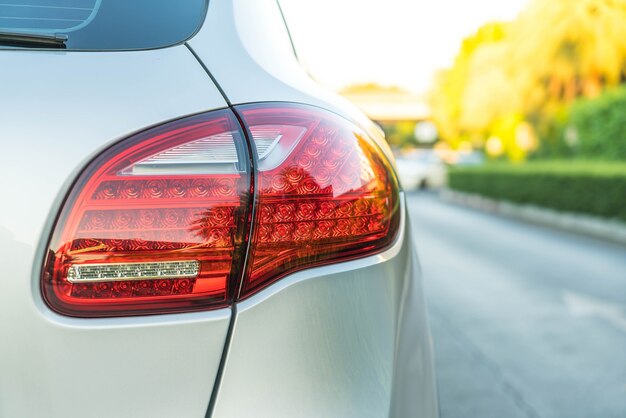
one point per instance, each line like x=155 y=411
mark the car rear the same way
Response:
x=191 y=227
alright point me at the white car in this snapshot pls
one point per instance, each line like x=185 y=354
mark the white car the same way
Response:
x=191 y=227
x=421 y=170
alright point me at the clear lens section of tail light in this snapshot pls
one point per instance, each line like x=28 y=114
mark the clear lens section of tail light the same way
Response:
x=325 y=192
x=154 y=224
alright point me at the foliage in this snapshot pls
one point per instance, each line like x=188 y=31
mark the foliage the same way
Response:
x=595 y=188
x=448 y=98
x=589 y=128
x=400 y=134
x=600 y=125
x=531 y=69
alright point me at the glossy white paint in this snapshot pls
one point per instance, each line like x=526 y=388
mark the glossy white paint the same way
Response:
x=57 y=110
x=349 y=339
x=345 y=340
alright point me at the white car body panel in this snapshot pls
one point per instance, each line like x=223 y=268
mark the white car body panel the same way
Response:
x=273 y=370
x=337 y=341
x=58 y=110
x=342 y=340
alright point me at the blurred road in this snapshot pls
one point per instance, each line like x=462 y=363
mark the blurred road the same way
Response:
x=526 y=321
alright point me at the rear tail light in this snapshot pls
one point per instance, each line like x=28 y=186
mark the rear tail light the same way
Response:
x=160 y=222
x=325 y=192
x=152 y=224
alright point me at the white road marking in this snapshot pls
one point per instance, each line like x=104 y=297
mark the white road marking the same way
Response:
x=584 y=306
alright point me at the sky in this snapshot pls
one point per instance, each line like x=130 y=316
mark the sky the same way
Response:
x=390 y=42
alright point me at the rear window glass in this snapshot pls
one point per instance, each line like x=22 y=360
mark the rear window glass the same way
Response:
x=105 y=24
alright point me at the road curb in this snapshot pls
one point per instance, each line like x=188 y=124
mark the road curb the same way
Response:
x=607 y=229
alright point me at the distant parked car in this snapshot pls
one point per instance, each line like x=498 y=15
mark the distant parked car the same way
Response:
x=467 y=158
x=421 y=169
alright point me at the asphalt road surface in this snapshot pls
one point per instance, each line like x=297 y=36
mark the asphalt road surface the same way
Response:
x=526 y=321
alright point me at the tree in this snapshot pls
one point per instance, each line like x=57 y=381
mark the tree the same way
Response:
x=571 y=48
x=449 y=98
x=531 y=68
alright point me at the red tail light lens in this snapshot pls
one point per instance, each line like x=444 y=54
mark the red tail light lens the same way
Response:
x=155 y=224
x=325 y=192
x=160 y=222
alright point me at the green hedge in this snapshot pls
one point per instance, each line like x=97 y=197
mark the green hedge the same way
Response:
x=592 y=188
x=588 y=128
x=600 y=124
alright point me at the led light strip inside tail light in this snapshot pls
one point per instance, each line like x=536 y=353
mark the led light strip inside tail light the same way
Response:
x=112 y=272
